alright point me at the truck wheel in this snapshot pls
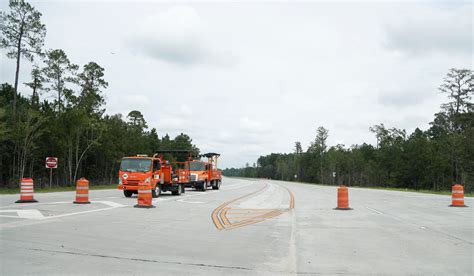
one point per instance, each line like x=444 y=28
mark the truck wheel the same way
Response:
x=156 y=192
x=177 y=192
x=127 y=193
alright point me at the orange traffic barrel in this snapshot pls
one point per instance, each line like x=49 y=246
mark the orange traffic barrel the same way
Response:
x=343 y=198
x=144 y=196
x=26 y=191
x=457 y=197
x=82 y=191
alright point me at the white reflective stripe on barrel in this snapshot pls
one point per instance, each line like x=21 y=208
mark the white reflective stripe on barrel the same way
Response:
x=82 y=188
x=82 y=195
x=458 y=192
x=27 y=194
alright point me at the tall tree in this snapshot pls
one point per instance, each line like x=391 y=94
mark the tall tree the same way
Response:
x=36 y=84
x=321 y=137
x=136 y=119
x=58 y=72
x=22 y=34
x=26 y=134
x=459 y=85
x=298 y=148
x=91 y=81
x=455 y=122
x=380 y=133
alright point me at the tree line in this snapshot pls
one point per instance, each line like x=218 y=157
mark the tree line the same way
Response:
x=73 y=126
x=433 y=159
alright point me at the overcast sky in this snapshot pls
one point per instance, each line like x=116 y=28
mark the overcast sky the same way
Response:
x=247 y=79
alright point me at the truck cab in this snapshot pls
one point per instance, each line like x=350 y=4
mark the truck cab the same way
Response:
x=136 y=169
x=205 y=174
x=197 y=174
x=151 y=170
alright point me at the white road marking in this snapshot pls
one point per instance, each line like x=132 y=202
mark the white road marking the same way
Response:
x=110 y=203
x=30 y=214
x=373 y=210
x=27 y=214
x=82 y=212
x=192 y=202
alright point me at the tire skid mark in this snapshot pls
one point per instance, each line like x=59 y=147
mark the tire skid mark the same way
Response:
x=225 y=217
x=216 y=213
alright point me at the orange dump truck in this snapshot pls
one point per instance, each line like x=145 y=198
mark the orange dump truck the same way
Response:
x=203 y=175
x=153 y=170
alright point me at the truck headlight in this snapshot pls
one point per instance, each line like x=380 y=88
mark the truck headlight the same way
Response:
x=147 y=180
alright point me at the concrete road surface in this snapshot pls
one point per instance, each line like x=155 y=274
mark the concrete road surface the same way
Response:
x=249 y=227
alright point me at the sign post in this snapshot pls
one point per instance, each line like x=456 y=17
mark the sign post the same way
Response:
x=51 y=163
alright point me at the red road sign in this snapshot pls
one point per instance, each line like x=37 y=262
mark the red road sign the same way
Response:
x=51 y=162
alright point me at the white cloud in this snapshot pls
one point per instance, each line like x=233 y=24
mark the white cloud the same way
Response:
x=178 y=35
x=438 y=28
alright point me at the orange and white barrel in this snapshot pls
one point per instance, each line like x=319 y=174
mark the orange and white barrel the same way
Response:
x=26 y=191
x=457 y=196
x=82 y=191
x=144 y=198
x=343 y=198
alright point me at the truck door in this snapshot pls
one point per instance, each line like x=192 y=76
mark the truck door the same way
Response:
x=156 y=171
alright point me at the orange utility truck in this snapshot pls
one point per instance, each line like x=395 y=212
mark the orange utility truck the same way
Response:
x=153 y=170
x=205 y=174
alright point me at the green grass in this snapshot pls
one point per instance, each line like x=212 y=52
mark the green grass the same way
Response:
x=380 y=188
x=415 y=191
x=57 y=189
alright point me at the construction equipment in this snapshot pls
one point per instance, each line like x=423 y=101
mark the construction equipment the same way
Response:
x=204 y=174
x=174 y=174
x=153 y=171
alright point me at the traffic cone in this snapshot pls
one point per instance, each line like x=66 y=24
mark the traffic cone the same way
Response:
x=82 y=191
x=457 y=196
x=26 y=191
x=144 y=197
x=342 y=198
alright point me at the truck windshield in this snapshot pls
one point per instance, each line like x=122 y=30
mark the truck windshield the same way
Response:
x=196 y=166
x=135 y=165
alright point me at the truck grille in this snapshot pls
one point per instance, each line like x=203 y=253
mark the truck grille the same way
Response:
x=193 y=177
x=132 y=182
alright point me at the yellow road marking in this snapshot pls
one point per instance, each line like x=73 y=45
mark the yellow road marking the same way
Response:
x=216 y=212
x=223 y=222
x=224 y=218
